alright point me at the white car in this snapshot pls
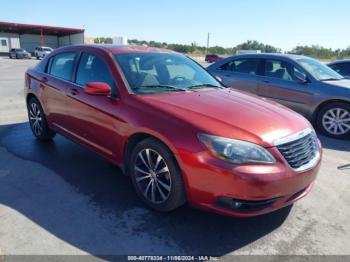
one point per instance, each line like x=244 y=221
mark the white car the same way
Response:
x=42 y=51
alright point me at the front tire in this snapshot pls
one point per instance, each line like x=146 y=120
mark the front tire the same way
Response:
x=156 y=176
x=37 y=121
x=334 y=120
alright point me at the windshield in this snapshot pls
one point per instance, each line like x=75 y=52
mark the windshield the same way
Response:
x=162 y=72
x=319 y=71
x=47 y=49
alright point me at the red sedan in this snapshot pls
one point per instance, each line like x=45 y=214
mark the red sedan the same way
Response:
x=212 y=58
x=174 y=129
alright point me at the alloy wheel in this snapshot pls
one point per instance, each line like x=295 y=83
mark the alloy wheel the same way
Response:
x=336 y=121
x=152 y=176
x=35 y=118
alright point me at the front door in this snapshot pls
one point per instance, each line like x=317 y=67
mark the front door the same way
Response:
x=91 y=118
x=279 y=83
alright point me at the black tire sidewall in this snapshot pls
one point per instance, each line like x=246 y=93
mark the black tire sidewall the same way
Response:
x=320 y=127
x=46 y=133
x=177 y=195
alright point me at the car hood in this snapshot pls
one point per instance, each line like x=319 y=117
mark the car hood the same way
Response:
x=345 y=83
x=231 y=114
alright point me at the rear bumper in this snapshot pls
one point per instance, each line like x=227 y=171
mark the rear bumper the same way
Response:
x=216 y=185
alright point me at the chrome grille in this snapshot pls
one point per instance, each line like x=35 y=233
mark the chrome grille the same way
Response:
x=301 y=150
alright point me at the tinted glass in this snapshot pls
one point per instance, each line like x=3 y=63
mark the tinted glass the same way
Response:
x=161 y=72
x=244 y=65
x=92 y=69
x=279 y=69
x=319 y=71
x=342 y=68
x=62 y=65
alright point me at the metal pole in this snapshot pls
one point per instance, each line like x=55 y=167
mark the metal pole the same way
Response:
x=208 y=43
x=41 y=37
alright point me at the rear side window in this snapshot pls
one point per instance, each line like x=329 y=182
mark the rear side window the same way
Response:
x=244 y=65
x=341 y=68
x=62 y=65
x=93 y=69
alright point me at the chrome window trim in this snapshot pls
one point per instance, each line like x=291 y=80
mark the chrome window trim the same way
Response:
x=293 y=137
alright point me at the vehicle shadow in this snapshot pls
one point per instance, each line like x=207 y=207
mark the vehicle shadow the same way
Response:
x=86 y=202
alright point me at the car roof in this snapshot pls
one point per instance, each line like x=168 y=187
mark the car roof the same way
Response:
x=271 y=55
x=339 y=61
x=117 y=49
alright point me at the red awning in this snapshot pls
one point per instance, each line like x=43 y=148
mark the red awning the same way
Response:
x=37 y=29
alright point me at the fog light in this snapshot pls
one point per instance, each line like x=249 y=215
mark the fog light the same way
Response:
x=244 y=205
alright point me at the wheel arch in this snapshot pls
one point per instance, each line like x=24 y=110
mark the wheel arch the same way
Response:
x=325 y=103
x=137 y=137
x=30 y=96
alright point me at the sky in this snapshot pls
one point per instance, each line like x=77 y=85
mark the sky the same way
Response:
x=283 y=24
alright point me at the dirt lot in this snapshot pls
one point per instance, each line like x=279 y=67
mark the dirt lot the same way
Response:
x=58 y=198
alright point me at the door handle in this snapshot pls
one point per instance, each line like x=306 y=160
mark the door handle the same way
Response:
x=74 y=91
x=266 y=81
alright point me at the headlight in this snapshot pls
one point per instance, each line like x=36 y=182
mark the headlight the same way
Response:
x=236 y=151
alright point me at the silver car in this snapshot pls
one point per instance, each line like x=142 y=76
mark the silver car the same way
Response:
x=301 y=83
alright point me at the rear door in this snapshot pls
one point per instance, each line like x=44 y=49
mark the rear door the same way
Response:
x=240 y=73
x=91 y=117
x=54 y=86
x=279 y=83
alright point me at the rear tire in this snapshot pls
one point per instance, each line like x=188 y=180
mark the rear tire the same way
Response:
x=37 y=121
x=333 y=120
x=156 y=176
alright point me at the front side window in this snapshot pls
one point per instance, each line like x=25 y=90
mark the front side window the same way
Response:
x=162 y=72
x=319 y=71
x=244 y=66
x=279 y=69
x=62 y=65
x=92 y=69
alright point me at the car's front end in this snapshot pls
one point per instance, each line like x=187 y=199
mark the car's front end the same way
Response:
x=232 y=186
x=23 y=54
x=239 y=155
x=247 y=157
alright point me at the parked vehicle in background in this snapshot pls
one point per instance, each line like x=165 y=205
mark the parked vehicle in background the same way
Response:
x=19 y=53
x=342 y=67
x=301 y=83
x=212 y=58
x=174 y=129
x=42 y=51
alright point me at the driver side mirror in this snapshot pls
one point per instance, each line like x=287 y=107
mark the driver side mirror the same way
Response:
x=300 y=76
x=98 y=89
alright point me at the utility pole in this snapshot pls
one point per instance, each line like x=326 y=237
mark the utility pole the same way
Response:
x=208 y=43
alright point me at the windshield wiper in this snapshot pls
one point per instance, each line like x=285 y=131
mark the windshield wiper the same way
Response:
x=161 y=86
x=203 y=85
x=332 y=79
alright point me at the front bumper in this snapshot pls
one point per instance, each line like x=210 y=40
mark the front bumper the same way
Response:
x=213 y=184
